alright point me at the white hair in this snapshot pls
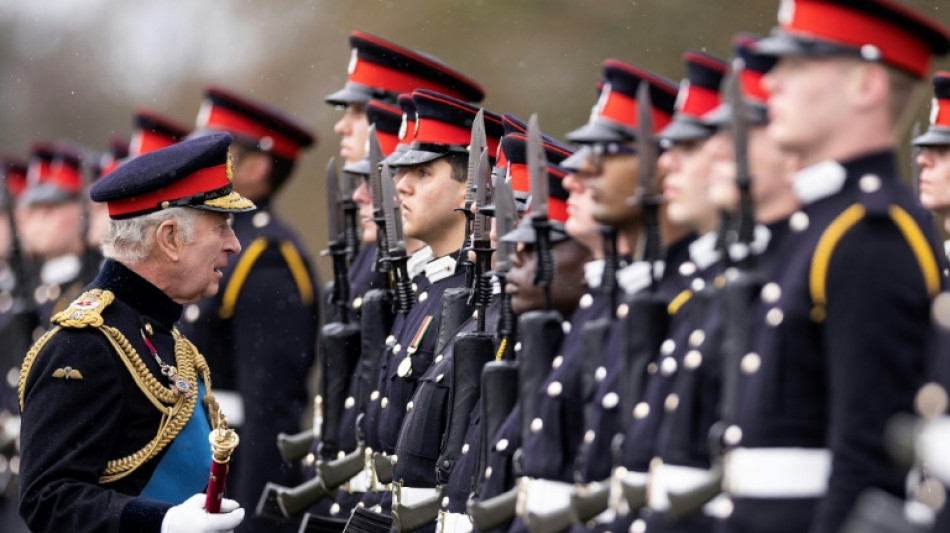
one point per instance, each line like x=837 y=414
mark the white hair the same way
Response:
x=130 y=240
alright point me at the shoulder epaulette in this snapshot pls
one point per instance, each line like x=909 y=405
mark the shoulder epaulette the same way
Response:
x=85 y=311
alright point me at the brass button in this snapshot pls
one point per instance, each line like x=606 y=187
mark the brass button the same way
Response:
x=687 y=268
x=672 y=402
x=600 y=374
x=349 y=402
x=610 y=400
x=536 y=425
x=501 y=445
x=641 y=411
x=667 y=347
x=384 y=403
x=565 y=326
x=357 y=302
x=692 y=360
x=373 y=396
x=586 y=301
x=556 y=362
x=668 y=366
x=798 y=222
x=771 y=292
x=554 y=389
x=423 y=297
x=732 y=436
x=465 y=449
x=696 y=338
x=774 y=317
x=589 y=436
x=750 y=363
x=622 y=310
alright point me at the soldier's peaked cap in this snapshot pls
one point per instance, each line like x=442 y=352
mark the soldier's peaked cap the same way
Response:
x=268 y=128
x=382 y=70
x=152 y=131
x=751 y=67
x=515 y=147
x=875 y=30
x=444 y=125
x=194 y=173
x=614 y=118
x=388 y=120
x=14 y=176
x=939 y=131
x=698 y=94
x=54 y=174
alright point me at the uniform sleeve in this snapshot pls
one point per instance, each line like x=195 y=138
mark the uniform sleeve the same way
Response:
x=875 y=334
x=69 y=429
x=274 y=345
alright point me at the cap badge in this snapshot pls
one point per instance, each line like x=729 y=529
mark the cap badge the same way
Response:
x=403 y=126
x=353 y=60
x=934 y=110
x=682 y=95
x=229 y=167
x=786 y=12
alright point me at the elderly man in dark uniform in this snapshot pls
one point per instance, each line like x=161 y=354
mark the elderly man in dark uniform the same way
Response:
x=113 y=397
x=840 y=329
x=260 y=330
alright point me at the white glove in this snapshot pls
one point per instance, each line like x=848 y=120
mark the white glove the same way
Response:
x=191 y=517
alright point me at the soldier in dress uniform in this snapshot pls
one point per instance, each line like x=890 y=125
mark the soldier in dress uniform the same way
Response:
x=17 y=322
x=261 y=328
x=53 y=227
x=685 y=165
x=610 y=172
x=383 y=70
x=113 y=398
x=838 y=335
x=431 y=183
x=933 y=156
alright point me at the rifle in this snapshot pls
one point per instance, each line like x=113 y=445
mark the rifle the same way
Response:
x=351 y=224
x=476 y=145
x=537 y=174
x=337 y=248
x=506 y=218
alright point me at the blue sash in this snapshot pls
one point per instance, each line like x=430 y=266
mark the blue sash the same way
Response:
x=183 y=470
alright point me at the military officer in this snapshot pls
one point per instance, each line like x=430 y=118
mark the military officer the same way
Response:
x=431 y=184
x=113 y=397
x=383 y=70
x=685 y=165
x=17 y=322
x=53 y=228
x=932 y=158
x=838 y=335
x=611 y=171
x=261 y=328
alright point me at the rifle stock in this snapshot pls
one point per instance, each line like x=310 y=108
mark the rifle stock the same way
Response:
x=494 y=512
x=684 y=505
x=410 y=518
x=589 y=500
x=296 y=446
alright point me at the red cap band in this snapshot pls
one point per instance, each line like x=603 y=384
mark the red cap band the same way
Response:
x=622 y=109
x=145 y=141
x=847 y=26
x=204 y=180
x=941 y=117
x=699 y=101
x=395 y=81
x=240 y=125
x=751 y=83
x=433 y=131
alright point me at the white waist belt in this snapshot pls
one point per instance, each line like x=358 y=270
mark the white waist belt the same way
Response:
x=360 y=482
x=777 y=472
x=411 y=496
x=453 y=523
x=543 y=496
x=666 y=478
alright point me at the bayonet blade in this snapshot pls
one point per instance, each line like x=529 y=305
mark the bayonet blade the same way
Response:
x=475 y=147
x=738 y=124
x=375 y=184
x=506 y=219
x=393 y=214
x=481 y=196
x=646 y=147
x=334 y=209
x=537 y=170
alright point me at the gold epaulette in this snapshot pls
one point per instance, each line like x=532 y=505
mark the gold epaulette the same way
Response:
x=85 y=311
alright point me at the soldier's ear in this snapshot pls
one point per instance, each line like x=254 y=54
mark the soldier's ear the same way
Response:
x=869 y=84
x=168 y=242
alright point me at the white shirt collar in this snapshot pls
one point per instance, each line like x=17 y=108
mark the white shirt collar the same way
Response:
x=819 y=181
x=635 y=277
x=594 y=273
x=703 y=251
x=60 y=269
x=441 y=268
x=417 y=261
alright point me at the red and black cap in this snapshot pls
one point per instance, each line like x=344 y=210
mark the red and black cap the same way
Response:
x=874 y=30
x=939 y=131
x=751 y=66
x=388 y=120
x=151 y=131
x=54 y=174
x=614 y=118
x=194 y=173
x=407 y=129
x=14 y=174
x=515 y=147
x=113 y=157
x=443 y=126
x=382 y=70
x=250 y=122
x=698 y=95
